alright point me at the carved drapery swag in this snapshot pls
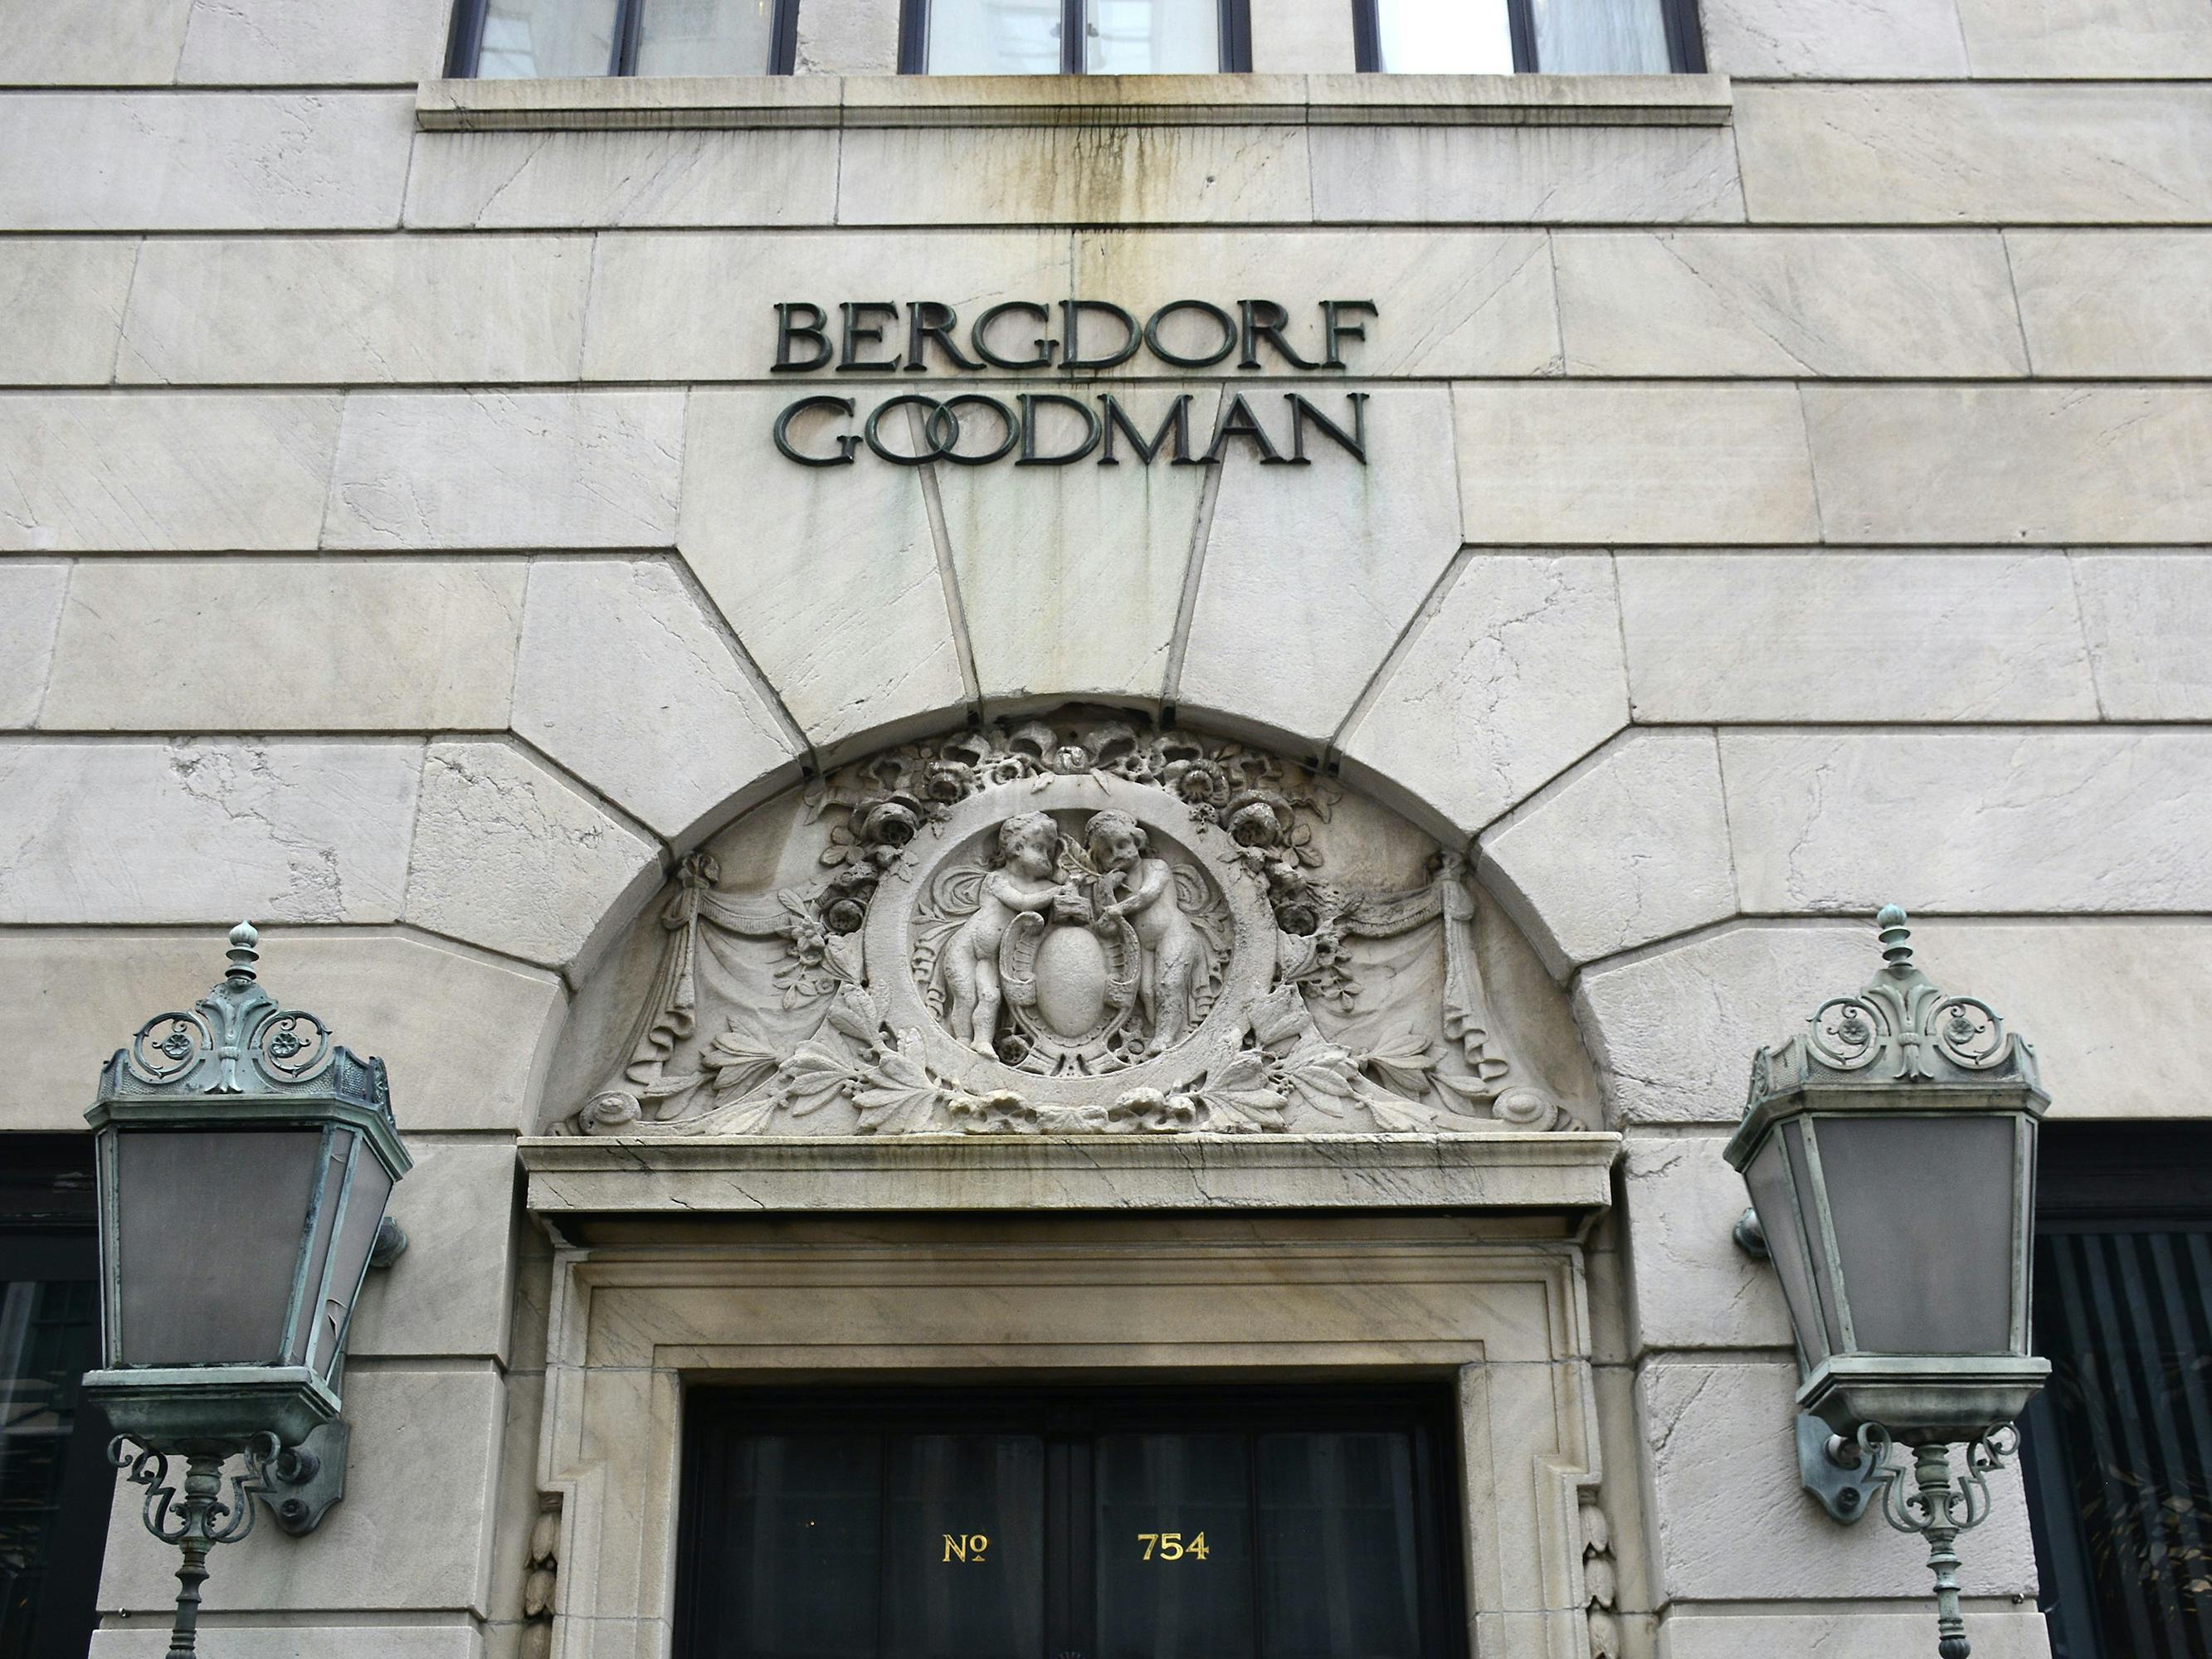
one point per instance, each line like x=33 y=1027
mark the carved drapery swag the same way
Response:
x=1067 y=925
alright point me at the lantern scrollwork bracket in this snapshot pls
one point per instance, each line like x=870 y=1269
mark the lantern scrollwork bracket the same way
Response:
x=193 y=1515
x=1942 y=1503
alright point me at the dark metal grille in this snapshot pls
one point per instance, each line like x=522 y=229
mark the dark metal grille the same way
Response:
x=1135 y=1523
x=2121 y=1442
x=54 y=1483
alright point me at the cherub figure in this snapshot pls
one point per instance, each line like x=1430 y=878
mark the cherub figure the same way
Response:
x=1142 y=888
x=1027 y=845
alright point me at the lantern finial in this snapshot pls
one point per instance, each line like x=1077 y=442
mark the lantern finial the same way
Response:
x=242 y=952
x=1894 y=934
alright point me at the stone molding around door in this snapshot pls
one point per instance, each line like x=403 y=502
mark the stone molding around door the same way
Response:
x=1493 y=1304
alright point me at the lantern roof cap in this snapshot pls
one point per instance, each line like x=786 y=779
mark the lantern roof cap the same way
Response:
x=1900 y=1042
x=239 y=1057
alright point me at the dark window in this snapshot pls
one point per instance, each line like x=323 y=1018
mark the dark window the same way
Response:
x=55 y=1482
x=1139 y=1523
x=2117 y=1450
x=1075 y=37
x=511 y=40
x=1552 y=37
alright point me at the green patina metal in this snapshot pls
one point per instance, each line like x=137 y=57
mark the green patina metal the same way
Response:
x=240 y=1065
x=1890 y=1152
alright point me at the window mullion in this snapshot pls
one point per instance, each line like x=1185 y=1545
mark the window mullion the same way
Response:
x=1073 y=43
x=1522 y=17
x=629 y=18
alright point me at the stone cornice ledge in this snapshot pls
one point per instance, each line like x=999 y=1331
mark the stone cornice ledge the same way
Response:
x=929 y=101
x=754 y=1174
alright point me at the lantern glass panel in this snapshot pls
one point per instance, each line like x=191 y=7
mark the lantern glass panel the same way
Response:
x=364 y=1209
x=337 y=1150
x=1769 y=1180
x=1823 y=1266
x=209 y=1228
x=1923 y=1210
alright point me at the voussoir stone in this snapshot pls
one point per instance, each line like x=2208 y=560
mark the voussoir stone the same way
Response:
x=508 y=856
x=829 y=575
x=425 y=645
x=521 y=469
x=2148 y=616
x=31 y=593
x=1071 y=577
x=1555 y=461
x=2057 y=820
x=2043 y=464
x=356 y=310
x=61 y=308
x=194 y=830
x=1731 y=1518
x=1629 y=847
x=129 y=472
x=1673 y=1032
x=1322 y=566
x=1514 y=675
x=1790 y=637
x=625 y=681
x=203 y=160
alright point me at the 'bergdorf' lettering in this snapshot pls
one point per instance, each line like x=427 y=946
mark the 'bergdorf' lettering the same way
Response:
x=1070 y=337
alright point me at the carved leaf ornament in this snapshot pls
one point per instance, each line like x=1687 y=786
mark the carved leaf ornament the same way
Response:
x=1071 y=926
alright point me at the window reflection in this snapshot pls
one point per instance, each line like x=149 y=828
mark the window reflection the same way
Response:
x=1600 y=37
x=527 y=37
x=1444 y=37
x=705 y=37
x=1152 y=37
x=994 y=36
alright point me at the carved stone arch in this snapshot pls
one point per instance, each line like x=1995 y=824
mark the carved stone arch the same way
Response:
x=1071 y=922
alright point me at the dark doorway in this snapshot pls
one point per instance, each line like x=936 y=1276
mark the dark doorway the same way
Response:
x=1122 y=1524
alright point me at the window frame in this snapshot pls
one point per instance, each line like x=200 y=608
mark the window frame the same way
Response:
x=1686 y=41
x=464 y=48
x=1235 y=26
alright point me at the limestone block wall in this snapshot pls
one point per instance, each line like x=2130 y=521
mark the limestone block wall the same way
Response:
x=1791 y=491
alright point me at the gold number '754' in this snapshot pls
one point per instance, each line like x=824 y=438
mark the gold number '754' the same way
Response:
x=1170 y=1547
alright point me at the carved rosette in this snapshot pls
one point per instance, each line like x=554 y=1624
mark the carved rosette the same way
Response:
x=1073 y=925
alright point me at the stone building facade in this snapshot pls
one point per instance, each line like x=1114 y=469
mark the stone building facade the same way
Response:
x=1670 y=516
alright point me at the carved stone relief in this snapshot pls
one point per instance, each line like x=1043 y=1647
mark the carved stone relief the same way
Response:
x=1072 y=925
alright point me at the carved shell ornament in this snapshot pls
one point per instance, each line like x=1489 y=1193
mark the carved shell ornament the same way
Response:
x=1074 y=925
